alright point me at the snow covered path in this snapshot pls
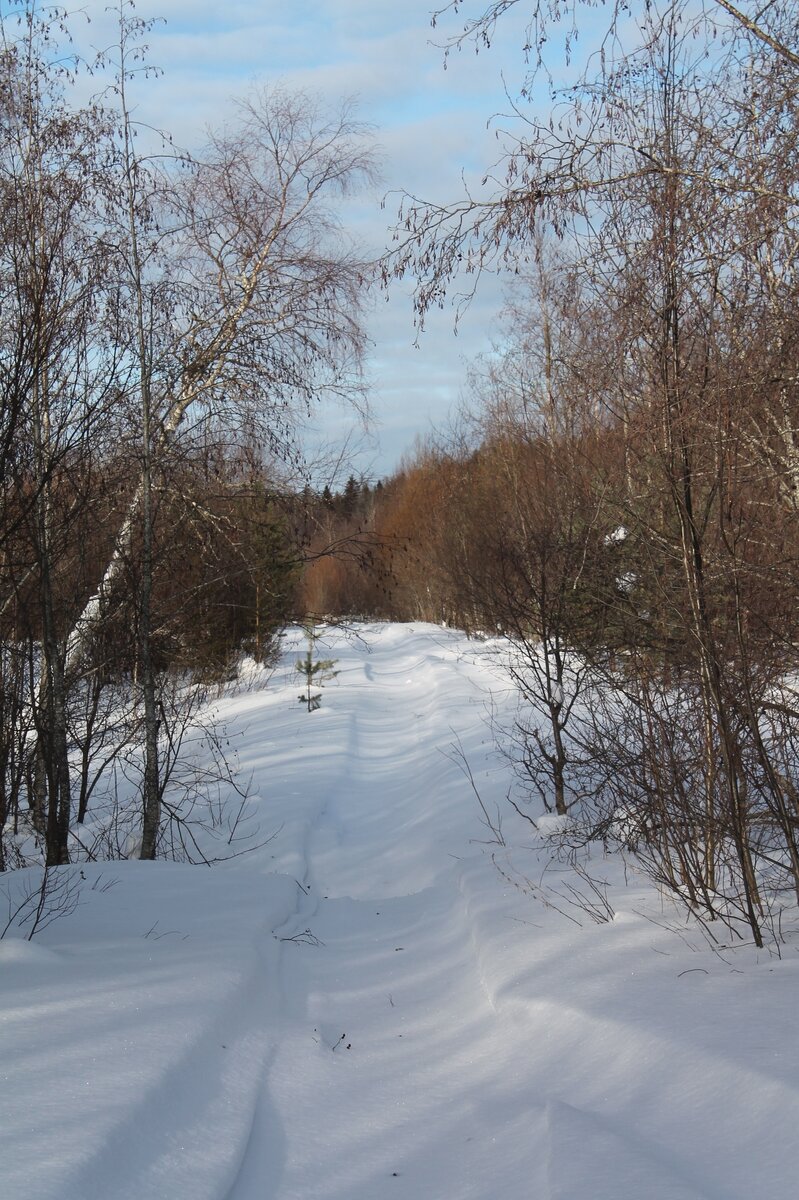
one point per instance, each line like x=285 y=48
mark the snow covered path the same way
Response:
x=365 y=1008
x=391 y=1075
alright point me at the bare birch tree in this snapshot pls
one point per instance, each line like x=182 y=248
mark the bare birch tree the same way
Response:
x=146 y=309
x=57 y=371
x=265 y=311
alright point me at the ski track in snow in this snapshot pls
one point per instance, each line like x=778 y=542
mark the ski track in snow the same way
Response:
x=365 y=1009
x=364 y=1042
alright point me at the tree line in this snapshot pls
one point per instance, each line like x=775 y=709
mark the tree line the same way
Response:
x=620 y=495
x=618 y=498
x=166 y=318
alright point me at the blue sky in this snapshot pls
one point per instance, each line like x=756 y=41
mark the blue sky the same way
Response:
x=430 y=123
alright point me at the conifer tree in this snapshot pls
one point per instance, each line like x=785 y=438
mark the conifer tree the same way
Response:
x=315 y=672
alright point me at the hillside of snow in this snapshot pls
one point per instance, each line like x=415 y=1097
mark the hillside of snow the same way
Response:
x=381 y=1000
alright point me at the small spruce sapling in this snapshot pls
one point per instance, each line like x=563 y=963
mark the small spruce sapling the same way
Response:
x=314 y=672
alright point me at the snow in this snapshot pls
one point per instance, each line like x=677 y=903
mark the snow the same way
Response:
x=553 y=825
x=382 y=1000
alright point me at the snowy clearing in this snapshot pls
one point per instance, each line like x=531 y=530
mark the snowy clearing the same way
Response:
x=367 y=1007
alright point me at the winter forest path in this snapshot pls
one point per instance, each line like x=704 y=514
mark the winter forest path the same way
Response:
x=390 y=1077
x=364 y=1008
x=439 y=1036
